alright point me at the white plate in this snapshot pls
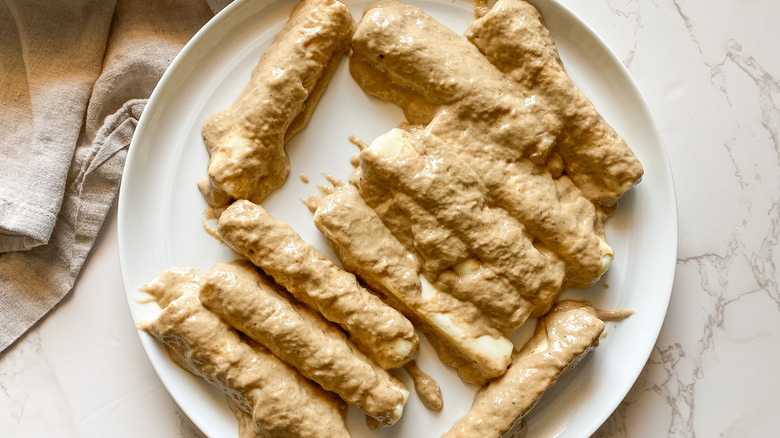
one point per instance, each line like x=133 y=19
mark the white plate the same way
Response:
x=160 y=208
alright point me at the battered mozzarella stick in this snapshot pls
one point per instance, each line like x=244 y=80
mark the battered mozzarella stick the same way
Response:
x=367 y=247
x=553 y=211
x=392 y=36
x=280 y=401
x=513 y=37
x=246 y=141
x=569 y=330
x=249 y=302
x=510 y=278
x=380 y=331
x=568 y=225
x=407 y=61
x=398 y=55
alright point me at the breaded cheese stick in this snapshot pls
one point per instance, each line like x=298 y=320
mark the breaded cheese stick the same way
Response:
x=367 y=247
x=570 y=329
x=249 y=302
x=513 y=37
x=280 y=401
x=246 y=141
x=380 y=331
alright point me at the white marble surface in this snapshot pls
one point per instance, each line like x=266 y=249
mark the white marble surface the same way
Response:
x=711 y=74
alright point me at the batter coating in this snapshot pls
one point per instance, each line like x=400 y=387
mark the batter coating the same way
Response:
x=252 y=304
x=380 y=331
x=569 y=330
x=246 y=141
x=367 y=248
x=280 y=401
x=514 y=137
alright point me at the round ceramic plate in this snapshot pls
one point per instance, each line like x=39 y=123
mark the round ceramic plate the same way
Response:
x=160 y=209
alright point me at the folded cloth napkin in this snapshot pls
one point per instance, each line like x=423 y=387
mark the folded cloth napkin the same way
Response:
x=74 y=79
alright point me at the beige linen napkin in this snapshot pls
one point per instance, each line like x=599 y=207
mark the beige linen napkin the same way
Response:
x=74 y=76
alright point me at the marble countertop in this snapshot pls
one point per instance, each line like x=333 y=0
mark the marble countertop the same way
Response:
x=711 y=75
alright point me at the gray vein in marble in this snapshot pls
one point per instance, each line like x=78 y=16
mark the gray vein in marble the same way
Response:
x=716 y=68
x=767 y=86
x=632 y=15
x=762 y=262
x=674 y=369
x=677 y=393
x=688 y=24
x=23 y=370
x=732 y=146
x=717 y=288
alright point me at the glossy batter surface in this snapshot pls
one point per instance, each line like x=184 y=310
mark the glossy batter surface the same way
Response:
x=568 y=331
x=380 y=331
x=319 y=351
x=280 y=401
x=246 y=141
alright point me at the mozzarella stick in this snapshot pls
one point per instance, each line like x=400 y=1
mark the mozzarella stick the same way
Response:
x=553 y=211
x=398 y=55
x=380 y=331
x=280 y=401
x=367 y=247
x=418 y=230
x=569 y=330
x=249 y=302
x=513 y=37
x=508 y=278
x=507 y=133
x=246 y=141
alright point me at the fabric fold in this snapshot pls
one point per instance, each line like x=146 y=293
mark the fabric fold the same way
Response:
x=33 y=282
x=64 y=134
x=52 y=54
